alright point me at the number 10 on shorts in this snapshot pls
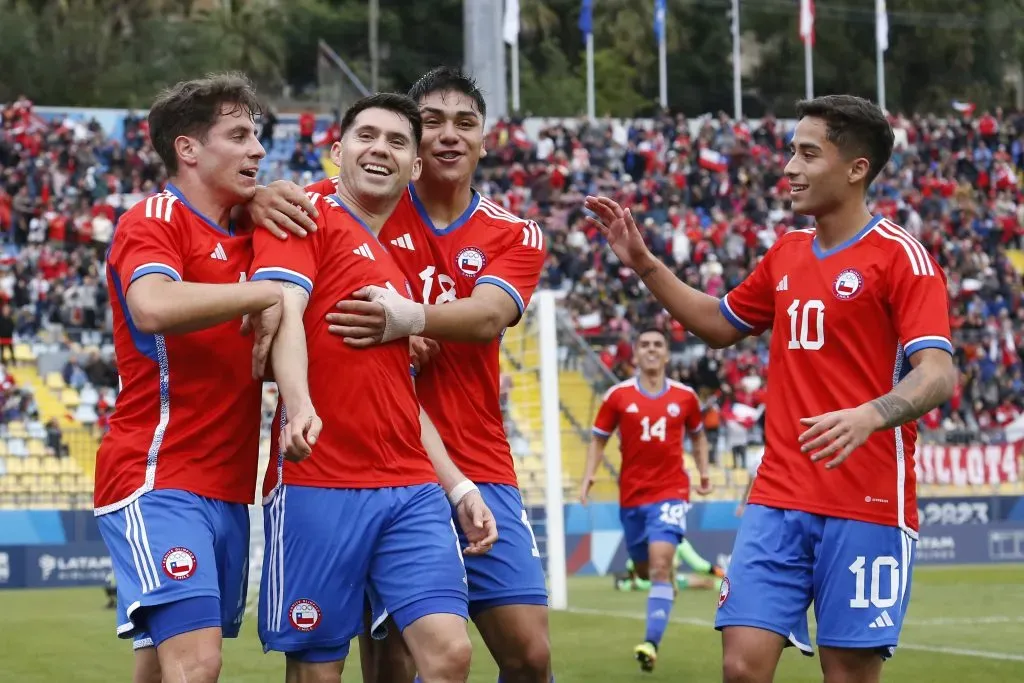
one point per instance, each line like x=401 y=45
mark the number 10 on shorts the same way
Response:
x=884 y=569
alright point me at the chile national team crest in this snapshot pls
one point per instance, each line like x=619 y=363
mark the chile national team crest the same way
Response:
x=848 y=284
x=470 y=261
x=179 y=563
x=304 y=615
x=673 y=410
x=723 y=593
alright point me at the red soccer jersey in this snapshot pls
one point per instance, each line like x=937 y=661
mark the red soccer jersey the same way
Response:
x=651 y=435
x=459 y=388
x=845 y=322
x=486 y=245
x=188 y=415
x=365 y=397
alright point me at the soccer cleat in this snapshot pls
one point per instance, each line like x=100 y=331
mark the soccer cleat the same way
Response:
x=647 y=654
x=717 y=571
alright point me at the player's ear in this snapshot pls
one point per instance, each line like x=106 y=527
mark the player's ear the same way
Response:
x=417 y=167
x=187 y=150
x=858 y=170
x=336 y=154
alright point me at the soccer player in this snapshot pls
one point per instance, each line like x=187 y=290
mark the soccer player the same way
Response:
x=860 y=349
x=363 y=511
x=464 y=251
x=177 y=470
x=651 y=413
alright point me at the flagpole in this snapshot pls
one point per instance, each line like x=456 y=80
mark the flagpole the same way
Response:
x=737 y=75
x=881 y=45
x=590 y=77
x=880 y=72
x=809 y=70
x=663 y=74
x=515 y=76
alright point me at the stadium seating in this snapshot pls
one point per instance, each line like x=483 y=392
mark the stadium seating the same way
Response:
x=708 y=225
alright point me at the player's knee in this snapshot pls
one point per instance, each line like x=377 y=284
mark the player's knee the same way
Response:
x=531 y=664
x=201 y=665
x=737 y=667
x=660 y=573
x=449 y=660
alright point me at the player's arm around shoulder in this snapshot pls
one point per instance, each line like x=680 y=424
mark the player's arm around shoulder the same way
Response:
x=475 y=518
x=282 y=208
x=376 y=315
x=148 y=256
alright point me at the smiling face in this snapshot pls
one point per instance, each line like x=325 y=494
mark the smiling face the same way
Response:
x=651 y=352
x=821 y=178
x=377 y=156
x=228 y=156
x=453 y=136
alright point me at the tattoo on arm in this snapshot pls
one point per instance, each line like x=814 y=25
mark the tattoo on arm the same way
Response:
x=915 y=395
x=647 y=271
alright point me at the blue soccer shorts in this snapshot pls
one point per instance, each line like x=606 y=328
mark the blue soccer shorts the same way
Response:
x=664 y=521
x=171 y=546
x=856 y=574
x=512 y=572
x=328 y=549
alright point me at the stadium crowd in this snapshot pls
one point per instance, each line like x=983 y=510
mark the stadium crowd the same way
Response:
x=709 y=192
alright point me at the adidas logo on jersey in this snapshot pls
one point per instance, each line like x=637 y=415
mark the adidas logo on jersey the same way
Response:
x=364 y=251
x=783 y=284
x=219 y=253
x=404 y=242
x=632 y=408
x=883 y=621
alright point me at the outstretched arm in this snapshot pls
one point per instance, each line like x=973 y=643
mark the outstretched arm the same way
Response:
x=698 y=312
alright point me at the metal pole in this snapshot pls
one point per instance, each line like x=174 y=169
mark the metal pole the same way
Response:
x=663 y=74
x=374 y=46
x=737 y=77
x=590 y=77
x=515 y=76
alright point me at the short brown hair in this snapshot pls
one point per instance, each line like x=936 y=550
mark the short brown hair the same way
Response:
x=192 y=108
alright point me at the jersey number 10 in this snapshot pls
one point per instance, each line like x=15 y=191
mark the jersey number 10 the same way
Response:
x=801 y=335
x=878 y=580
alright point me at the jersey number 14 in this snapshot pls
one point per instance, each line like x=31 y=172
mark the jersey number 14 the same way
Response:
x=653 y=431
x=806 y=325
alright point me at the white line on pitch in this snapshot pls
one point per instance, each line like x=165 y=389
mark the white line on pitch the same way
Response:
x=690 y=621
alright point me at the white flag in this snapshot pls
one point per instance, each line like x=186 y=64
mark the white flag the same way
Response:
x=511 y=30
x=881 y=25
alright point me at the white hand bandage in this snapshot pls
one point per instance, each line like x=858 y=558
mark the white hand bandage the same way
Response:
x=460 y=491
x=402 y=317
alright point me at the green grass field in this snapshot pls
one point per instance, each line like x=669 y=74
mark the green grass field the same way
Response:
x=965 y=624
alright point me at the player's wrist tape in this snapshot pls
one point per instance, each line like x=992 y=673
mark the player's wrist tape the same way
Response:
x=460 y=491
x=402 y=317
